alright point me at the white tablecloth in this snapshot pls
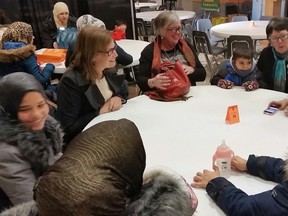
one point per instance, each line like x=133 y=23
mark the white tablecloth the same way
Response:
x=149 y=15
x=146 y=4
x=255 y=29
x=184 y=135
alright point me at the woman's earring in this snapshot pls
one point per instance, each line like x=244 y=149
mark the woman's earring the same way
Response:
x=162 y=37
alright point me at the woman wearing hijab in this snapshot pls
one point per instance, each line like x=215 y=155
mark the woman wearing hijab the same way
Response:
x=60 y=19
x=31 y=140
x=18 y=54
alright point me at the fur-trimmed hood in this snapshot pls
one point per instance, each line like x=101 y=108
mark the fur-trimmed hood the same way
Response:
x=25 y=209
x=16 y=52
x=31 y=144
x=164 y=193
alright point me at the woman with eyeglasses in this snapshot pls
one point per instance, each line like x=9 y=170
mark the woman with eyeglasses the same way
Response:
x=84 y=91
x=273 y=59
x=168 y=46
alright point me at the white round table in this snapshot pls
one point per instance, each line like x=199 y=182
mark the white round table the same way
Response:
x=134 y=48
x=146 y=4
x=147 y=16
x=255 y=29
x=184 y=135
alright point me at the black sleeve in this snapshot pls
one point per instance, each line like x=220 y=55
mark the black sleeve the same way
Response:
x=123 y=58
x=145 y=66
x=48 y=33
x=200 y=72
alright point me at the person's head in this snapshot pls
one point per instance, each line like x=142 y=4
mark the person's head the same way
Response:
x=94 y=52
x=121 y=24
x=277 y=34
x=168 y=26
x=61 y=14
x=101 y=170
x=22 y=98
x=18 y=32
x=242 y=59
x=88 y=20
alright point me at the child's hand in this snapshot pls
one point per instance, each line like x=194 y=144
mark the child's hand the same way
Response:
x=250 y=85
x=202 y=178
x=226 y=84
x=239 y=164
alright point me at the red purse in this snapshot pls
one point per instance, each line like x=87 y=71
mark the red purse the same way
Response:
x=180 y=84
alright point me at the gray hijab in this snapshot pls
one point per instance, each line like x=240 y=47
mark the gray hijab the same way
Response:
x=13 y=87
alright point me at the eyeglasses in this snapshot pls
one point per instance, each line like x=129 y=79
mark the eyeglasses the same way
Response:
x=110 y=51
x=174 y=30
x=281 y=37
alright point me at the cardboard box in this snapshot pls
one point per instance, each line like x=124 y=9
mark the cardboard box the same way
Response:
x=51 y=55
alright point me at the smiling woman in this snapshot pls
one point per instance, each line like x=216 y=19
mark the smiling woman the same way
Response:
x=84 y=90
x=31 y=140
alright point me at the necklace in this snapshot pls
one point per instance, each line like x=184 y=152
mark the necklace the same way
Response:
x=170 y=57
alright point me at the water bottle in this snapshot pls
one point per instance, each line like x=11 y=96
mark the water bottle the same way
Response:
x=222 y=159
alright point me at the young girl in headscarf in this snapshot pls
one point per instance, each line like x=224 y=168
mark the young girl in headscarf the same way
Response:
x=59 y=18
x=18 y=54
x=31 y=140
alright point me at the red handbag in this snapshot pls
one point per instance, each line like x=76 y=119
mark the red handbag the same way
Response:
x=180 y=84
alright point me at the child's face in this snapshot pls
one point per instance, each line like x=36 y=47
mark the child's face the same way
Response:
x=123 y=27
x=243 y=64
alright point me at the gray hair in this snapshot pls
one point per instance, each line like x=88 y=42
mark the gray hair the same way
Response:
x=163 y=20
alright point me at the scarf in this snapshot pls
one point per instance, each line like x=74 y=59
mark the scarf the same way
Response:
x=59 y=8
x=185 y=49
x=88 y=20
x=279 y=71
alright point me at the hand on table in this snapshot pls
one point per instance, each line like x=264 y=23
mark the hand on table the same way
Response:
x=161 y=81
x=225 y=84
x=283 y=104
x=113 y=104
x=202 y=178
x=239 y=164
x=55 y=45
x=250 y=85
x=188 y=69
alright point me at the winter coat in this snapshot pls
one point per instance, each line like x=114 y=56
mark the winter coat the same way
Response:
x=49 y=30
x=79 y=101
x=226 y=71
x=265 y=64
x=235 y=202
x=25 y=155
x=20 y=57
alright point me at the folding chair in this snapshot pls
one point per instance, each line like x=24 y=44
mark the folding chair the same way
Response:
x=202 y=45
x=205 y=25
x=239 y=18
x=239 y=41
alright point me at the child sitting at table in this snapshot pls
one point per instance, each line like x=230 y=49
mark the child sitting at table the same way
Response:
x=119 y=31
x=240 y=70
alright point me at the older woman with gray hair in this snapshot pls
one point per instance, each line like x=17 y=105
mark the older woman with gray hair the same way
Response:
x=168 y=46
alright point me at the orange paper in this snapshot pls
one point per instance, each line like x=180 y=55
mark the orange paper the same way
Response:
x=51 y=55
x=232 y=115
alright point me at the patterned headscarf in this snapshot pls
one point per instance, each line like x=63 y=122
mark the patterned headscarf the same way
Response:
x=88 y=20
x=59 y=7
x=99 y=172
x=18 y=31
